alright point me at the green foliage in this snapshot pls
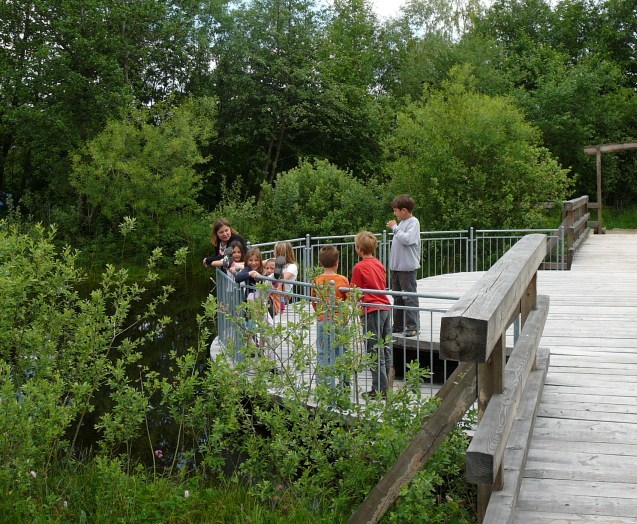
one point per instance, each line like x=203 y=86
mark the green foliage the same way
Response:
x=317 y=198
x=58 y=350
x=471 y=160
x=618 y=218
x=66 y=68
x=575 y=105
x=138 y=171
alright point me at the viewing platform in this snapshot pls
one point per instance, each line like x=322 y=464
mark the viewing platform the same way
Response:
x=568 y=456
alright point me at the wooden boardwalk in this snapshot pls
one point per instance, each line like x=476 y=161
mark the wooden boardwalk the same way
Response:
x=582 y=462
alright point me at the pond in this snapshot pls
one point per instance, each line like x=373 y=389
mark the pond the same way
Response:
x=185 y=303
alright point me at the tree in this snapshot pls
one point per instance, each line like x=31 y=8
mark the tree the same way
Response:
x=67 y=67
x=471 y=160
x=144 y=171
x=318 y=198
x=353 y=113
x=267 y=83
x=582 y=104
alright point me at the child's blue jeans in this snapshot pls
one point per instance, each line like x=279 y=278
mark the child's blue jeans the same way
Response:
x=327 y=351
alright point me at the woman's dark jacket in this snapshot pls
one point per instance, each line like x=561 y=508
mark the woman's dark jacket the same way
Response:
x=233 y=238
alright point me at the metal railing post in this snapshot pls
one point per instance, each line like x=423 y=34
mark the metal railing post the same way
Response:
x=307 y=260
x=561 y=261
x=383 y=255
x=471 y=249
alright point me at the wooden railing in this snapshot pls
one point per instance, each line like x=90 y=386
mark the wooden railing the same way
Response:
x=575 y=219
x=474 y=331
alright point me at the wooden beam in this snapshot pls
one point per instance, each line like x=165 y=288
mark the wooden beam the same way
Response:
x=457 y=396
x=473 y=325
x=610 y=148
x=501 y=508
x=485 y=453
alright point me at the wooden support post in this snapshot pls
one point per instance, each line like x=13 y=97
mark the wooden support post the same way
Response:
x=597 y=150
x=490 y=382
x=598 y=162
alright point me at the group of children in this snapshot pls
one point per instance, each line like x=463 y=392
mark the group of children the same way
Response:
x=368 y=274
x=252 y=267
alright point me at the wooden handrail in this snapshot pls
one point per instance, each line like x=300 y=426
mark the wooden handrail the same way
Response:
x=473 y=325
x=474 y=330
x=575 y=220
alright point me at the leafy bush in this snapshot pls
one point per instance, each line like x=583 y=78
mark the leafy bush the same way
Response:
x=315 y=198
x=143 y=167
x=57 y=350
x=472 y=160
x=61 y=354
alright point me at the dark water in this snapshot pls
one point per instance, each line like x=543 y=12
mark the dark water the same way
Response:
x=184 y=305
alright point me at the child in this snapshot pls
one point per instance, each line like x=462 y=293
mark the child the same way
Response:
x=253 y=267
x=238 y=258
x=290 y=269
x=250 y=276
x=274 y=300
x=404 y=260
x=370 y=273
x=327 y=283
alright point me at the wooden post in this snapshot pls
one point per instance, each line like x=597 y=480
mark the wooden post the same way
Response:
x=490 y=382
x=598 y=162
x=597 y=150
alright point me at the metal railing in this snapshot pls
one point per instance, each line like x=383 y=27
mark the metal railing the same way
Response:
x=285 y=333
x=442 y=252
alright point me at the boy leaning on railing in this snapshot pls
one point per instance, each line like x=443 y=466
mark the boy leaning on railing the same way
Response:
x=326 y=290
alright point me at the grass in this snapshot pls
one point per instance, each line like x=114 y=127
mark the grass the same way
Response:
x=614 y=218
x=97 y=491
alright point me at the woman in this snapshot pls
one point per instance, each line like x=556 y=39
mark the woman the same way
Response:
x=222 y=236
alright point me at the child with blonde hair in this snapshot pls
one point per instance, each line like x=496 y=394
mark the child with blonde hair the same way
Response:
x=290 y=268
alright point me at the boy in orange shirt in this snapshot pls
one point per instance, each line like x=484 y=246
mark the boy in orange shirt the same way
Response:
x=327 y=286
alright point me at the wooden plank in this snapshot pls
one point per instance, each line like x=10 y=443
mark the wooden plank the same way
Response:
x=486 y=450
x=575 y=392
x=592 y=448
x=565 y=465
x=549 y=501
x=470 y=329
x=584 y=488
x=570 y=205
x=543 y=517
x=557 y=394
x=609 y=148
x=564 y=412
x=579 y=430
x=502 y=504
x=458 y=395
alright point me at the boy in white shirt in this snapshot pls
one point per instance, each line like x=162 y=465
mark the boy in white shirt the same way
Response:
x=404 y=260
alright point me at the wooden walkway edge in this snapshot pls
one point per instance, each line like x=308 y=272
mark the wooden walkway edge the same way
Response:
x=581 y=465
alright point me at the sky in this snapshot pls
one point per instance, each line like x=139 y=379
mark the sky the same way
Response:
x=386 y=8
